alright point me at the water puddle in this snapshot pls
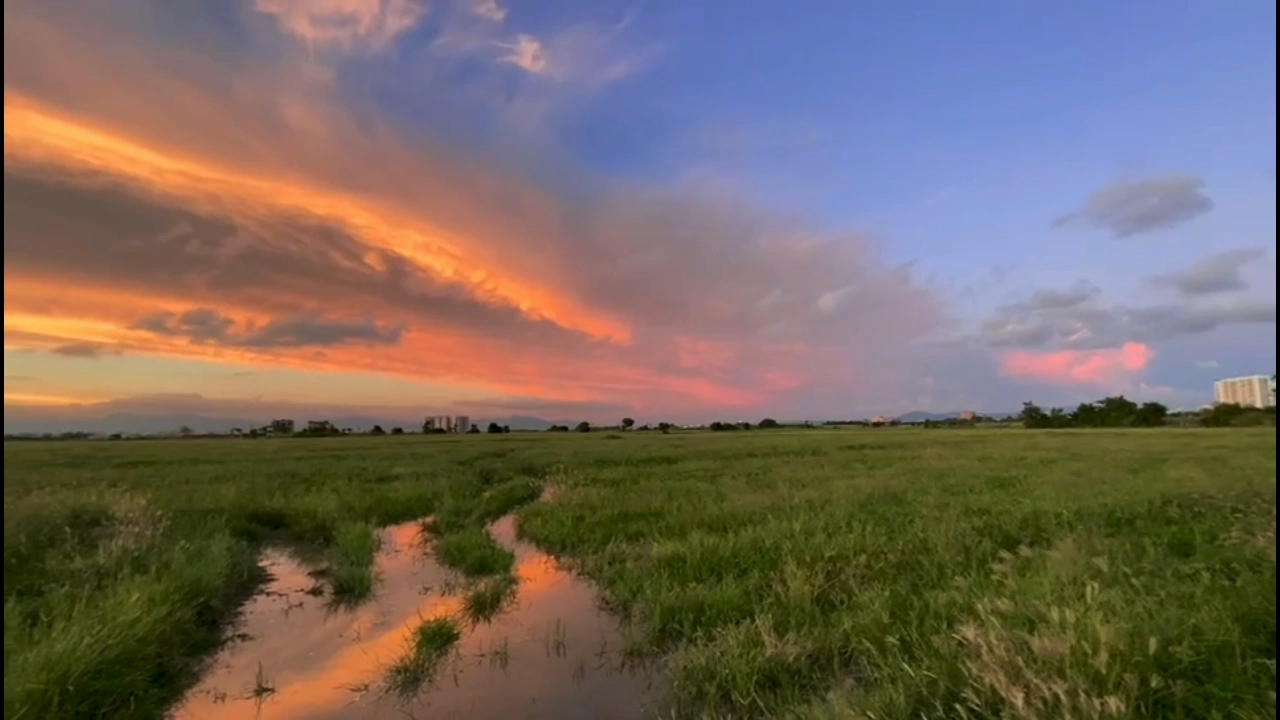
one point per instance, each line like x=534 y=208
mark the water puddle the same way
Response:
x=552 y=653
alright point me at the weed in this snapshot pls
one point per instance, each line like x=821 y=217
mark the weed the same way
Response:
x=262 y=687
x=500 y=655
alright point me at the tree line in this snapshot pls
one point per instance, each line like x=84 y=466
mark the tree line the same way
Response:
x=1120 y=412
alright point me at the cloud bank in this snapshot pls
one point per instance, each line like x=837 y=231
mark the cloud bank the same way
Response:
x=245 y=212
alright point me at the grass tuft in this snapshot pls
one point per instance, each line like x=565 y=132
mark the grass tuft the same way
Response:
x=428 y=647
x=489 y=597
x=350 y=570
x=474 y=553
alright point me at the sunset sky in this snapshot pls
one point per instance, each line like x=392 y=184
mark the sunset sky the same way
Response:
x=669 y=210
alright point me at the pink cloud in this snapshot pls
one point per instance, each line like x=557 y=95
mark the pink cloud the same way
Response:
x=1078 y=367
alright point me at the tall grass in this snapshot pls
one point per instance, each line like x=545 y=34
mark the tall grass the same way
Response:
x=900 y=574
x=845 y=573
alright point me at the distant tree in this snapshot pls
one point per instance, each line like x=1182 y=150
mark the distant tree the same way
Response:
x=582 y=427
x=377 y=430
x=475 y=430
x=665 y=427
x=627 y=423
x=1151 y=414
x=768 y=423
x=506 y=428
x=115 y=436
x=1032 y=416
x=495 y=428
x=185 y=431
x=1112 y=412
x=744 y=425
x=397 y=431
x=1235 y=415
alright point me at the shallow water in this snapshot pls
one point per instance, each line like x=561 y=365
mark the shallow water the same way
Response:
x=551 y=654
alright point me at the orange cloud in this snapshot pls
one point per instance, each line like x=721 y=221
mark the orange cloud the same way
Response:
x=1078 y=367
x=36 y=136
x=198 y=202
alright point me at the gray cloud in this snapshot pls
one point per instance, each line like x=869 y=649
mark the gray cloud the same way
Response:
x=1214 y=274
x=1049 y=299
x=200 y=325
x=84 y=350
x=206 y=325
x=1086 y=323
x=1127 y=208
x=311 y=331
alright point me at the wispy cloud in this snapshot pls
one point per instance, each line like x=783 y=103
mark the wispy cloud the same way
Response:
x=82 y=350
x=525 y=53
x=345 y=24
x=489 y=10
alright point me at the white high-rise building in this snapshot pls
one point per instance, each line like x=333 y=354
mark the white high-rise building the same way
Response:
x=1252 y=391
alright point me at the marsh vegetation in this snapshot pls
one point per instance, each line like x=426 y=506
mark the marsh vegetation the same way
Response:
x=885 y=573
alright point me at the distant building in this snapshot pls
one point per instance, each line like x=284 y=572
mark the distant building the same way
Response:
x=1257 y=391
x=881 y=420
x=447 y=423
x=968 y=416
x=281 y=427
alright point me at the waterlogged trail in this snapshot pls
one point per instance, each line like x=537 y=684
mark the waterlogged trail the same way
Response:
x=551 y=653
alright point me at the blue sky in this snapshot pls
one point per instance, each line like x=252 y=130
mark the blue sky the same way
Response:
x=560 y=144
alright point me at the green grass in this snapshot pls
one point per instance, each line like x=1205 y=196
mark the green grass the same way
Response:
x=489 y=597
x=474 y=553
x=888 y=573
x=430 y=644
x=350 y=562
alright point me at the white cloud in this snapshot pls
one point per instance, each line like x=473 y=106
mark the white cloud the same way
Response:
x=345 y=24
x=525 y=53
x=829 y=302
x=489 y=10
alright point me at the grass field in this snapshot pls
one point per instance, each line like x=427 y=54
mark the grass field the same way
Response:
x=888 y=573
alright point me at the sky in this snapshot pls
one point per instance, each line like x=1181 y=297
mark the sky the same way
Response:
x=664 y=210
